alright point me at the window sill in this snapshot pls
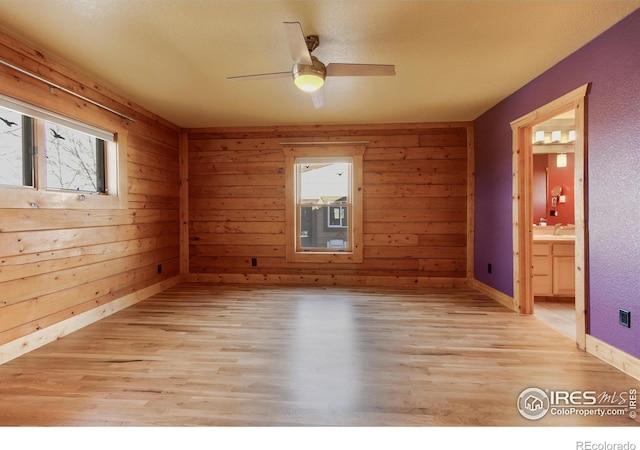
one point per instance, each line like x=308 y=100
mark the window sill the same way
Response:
x=30 y=198
x=328 y=257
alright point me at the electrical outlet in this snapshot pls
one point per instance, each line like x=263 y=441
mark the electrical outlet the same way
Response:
x=489 y=268
x=624 y=318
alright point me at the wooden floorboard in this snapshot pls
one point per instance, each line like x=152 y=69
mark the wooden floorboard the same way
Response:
x=210 y=355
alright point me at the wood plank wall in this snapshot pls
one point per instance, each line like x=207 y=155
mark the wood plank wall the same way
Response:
x=58 y=263
x=415 y=205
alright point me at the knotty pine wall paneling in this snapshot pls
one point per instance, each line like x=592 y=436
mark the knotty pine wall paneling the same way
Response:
x=415 y=205
x=57 y=263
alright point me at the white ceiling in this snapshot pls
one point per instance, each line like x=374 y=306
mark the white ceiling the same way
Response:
x=454 y=59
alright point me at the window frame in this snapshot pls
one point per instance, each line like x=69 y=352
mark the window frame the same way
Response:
x=37 y=195
x=294 y=251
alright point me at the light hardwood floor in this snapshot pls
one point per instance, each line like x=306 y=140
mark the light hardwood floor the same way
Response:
x=560 y=315
x=207 y=355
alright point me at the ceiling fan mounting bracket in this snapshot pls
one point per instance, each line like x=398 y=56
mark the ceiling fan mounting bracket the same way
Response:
x=312 y=42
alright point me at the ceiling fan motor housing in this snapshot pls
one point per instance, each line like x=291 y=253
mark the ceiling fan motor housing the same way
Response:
x=309 y=77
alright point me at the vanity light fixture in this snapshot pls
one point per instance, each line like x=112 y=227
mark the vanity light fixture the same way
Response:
x=556 y=136
x=572 y=135
x=538 y=137
x=561 y=160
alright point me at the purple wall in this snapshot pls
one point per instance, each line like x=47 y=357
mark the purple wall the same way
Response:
x=611 y=64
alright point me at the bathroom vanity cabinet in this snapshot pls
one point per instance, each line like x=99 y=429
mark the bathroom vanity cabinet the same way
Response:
x=553 y=267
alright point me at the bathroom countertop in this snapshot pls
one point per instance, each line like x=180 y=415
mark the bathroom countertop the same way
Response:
x=554 y=238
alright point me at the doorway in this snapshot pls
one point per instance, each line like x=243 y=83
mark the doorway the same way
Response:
x=523 y=204
x=553 y=236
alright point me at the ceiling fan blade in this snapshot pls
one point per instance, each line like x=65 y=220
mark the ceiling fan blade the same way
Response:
x=318 y=98
x=261 y=76
x=360 y=70
x=297 y=43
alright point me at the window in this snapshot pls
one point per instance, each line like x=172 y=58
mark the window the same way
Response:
x=16 y=143
x=53 y=157
x=75 y=160
x=324 y=204
x=337 y=216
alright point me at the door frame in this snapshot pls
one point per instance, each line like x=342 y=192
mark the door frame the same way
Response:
x=523 y=204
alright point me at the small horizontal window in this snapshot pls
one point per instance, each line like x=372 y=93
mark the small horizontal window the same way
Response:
x=51 y=153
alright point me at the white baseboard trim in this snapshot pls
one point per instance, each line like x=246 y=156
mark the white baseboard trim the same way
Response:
x=619 y=359
x=494 y=294
x=25 y=344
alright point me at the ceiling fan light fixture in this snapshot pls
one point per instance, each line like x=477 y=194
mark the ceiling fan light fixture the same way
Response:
x=309 y=78
x=309 y=82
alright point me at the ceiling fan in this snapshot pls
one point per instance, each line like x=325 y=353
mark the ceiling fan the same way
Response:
x=309 y=73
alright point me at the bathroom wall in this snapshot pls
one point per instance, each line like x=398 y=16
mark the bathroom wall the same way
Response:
x=563 y=177
x=539 y=181
x=611 y=65
x=546 y=175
